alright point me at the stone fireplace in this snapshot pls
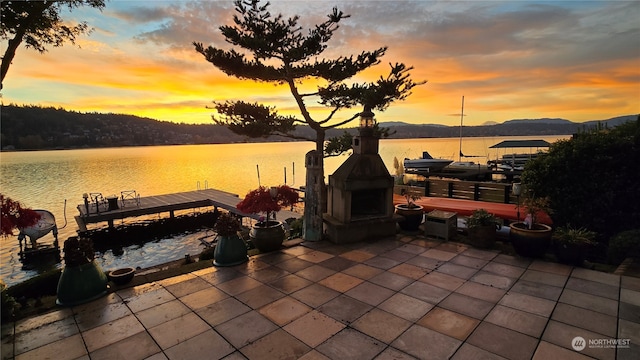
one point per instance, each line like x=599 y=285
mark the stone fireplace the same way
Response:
x=360 y=192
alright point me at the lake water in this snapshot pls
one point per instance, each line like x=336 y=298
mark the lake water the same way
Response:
x=45 y=179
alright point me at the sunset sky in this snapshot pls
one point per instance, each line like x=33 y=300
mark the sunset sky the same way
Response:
x=578 y=60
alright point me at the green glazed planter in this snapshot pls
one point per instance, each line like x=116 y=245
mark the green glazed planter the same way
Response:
x=81 y=284
x=268 y=237
x=230 y=251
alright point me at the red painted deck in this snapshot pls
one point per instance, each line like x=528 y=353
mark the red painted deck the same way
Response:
x=466 y=207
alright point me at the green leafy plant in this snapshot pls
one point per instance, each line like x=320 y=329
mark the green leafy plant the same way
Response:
x=482 y=217
x=534 y=206
x=624 y=244
x=570 y=235
x=227 y=225
x=411 y=195
x=8 y=303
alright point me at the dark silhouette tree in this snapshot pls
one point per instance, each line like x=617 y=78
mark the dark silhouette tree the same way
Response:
x=38 y=24
x=274 y=49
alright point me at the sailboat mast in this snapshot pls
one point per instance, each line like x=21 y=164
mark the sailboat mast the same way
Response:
x=461 y=117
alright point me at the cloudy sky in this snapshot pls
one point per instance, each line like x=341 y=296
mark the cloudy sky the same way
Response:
x=578 y=60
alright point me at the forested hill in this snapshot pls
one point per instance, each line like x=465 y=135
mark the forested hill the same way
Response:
x=34 y=127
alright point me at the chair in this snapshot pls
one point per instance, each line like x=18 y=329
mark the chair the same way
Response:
x=129 y=197
x=99 y=202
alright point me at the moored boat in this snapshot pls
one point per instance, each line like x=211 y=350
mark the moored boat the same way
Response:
x=426 y=164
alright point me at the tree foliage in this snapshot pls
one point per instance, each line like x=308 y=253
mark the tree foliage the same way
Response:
x=38 y=24
x=13 y=215
x=591 y=179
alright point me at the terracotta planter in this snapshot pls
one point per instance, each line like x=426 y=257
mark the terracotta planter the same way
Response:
x=482 y=236
x=267 y=236
x=412 y=217
x=230 y=251
x=122 y=276
x=81 y=284
x=530 y=242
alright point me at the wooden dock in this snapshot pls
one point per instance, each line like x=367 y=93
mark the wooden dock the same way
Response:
x=170 y=203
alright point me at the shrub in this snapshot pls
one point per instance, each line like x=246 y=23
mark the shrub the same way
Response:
x=623 y=245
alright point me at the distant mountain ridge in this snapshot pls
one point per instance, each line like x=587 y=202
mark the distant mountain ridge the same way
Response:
x=34 y=127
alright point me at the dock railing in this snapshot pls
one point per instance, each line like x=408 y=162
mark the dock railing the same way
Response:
x=466 y=190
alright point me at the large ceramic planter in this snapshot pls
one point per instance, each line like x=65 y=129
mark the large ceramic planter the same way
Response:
x=411 y=217
x=483 y=236
x=530 y=242
x=80 y=284
x=267 y=236
x=230 y=251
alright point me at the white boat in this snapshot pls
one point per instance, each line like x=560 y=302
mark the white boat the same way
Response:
x=426 y=164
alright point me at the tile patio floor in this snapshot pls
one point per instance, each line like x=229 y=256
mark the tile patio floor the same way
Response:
x=400 y=298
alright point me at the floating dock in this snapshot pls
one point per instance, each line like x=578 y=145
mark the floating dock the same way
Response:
x=92 y=213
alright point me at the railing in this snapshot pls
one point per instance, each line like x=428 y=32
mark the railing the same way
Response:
x=467 y=190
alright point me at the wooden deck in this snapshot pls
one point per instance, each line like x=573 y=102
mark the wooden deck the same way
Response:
x=165 y=203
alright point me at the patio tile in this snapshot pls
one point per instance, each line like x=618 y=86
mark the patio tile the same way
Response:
x=350 y=344
x=315 y=273
x=293 y=265
x=178 y=330
x=453 y=247
x=562 y=335
x=545 y=278
x=551 y=267
x=162 y=313
x=470 y=352
x=187 y=287
x=382 y=262
x=449 y=323
x=548 y=350
x=512 y=260
x=381 y=325
x=467 y=305
x=220 y=276
x=629 y=312
x=597 y=276
x=275 y=257
x=207 y=345
x=493 y=280
x=250 y=266
x=96 y=305
x=412 y=249
x=221 y=311
x=507 y=270
x=469 y=261
x=95 y=317
x=158 y=356
x=137 y=347
x=176 y=280
x=426 y=292
x=315 y=256
x=504 y=342
x=629 y=330
x=593 y=288
x=520 y=321
x=536 y=289
x=391 y=281
x=362 y=271
x=460 y=271
x=344 y=309
x=482 y=292
x=394 y=354
x=424 y=262
x=398 y=255
x=338 y=263
x=630 y=297
x=290 y=283
x=314 y=328
x=410 y=271
x=284 y=310
x=203 y=298
x=442 y=280
x=238 y=285
x=149 y=299
x=32 y=338
x=370 y=293
x=357 y=255
x=245 y=329
x=259 y=296
x=276 y=345
x=68 y=348
x=631 y=283
x=406 y=307
x=311 y=355
x=315 y=295
x=528 y=303
x=296 y=250
x=426 y=344
x=37 y=321
x=111 y=333
x=586 y=319
x=340 y=282
x=268 y=274
x=592 y=302
x=439 y=254
x=487 y=255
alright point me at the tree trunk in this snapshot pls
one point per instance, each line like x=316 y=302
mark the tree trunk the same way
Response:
x=9 y=54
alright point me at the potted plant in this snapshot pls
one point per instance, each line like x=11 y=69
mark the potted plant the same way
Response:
x=570 y=245
x=82 y=279
x=230 y=249
x=411 y=213
x=267 y=234
x=530 y=238
x=481 y=228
